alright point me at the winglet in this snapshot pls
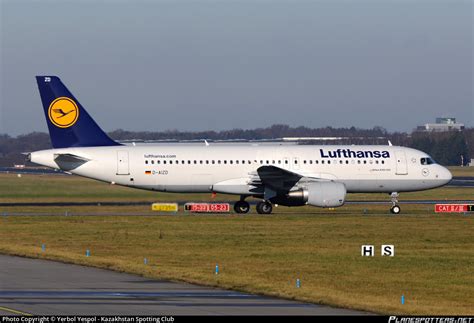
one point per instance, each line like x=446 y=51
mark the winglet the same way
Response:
x=390 y=143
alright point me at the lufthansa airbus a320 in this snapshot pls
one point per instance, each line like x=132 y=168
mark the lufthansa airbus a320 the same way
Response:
x=290 y=175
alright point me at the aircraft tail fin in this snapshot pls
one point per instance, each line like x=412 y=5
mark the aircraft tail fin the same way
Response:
x=68 y=122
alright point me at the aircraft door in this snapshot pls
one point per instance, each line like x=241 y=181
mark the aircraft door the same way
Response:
x=122 y=163
x=402 y=168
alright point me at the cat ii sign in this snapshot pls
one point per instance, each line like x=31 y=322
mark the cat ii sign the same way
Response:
x=454 y=208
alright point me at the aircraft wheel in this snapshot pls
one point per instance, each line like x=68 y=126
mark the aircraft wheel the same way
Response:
x=241 y=207
x=264 y=207
x=395 y=209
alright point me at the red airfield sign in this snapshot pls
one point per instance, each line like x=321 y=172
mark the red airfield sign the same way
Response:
x=454 y=208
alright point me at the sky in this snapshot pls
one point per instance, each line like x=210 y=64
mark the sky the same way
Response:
x=215 y=65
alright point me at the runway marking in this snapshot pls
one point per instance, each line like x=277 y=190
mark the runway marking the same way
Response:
x=11 y=310
x=68 y=293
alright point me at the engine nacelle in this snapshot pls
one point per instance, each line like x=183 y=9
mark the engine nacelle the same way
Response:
x=322 y=194
x=326 y=194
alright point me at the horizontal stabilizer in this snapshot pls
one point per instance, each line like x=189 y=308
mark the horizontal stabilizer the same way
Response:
x=69 y=161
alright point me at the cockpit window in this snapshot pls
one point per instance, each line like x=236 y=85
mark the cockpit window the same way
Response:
x=427 y=161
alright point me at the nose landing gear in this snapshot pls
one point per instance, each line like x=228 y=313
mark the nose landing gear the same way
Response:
x=395 y=209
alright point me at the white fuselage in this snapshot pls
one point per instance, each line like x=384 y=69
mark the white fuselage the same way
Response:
x=233 y=168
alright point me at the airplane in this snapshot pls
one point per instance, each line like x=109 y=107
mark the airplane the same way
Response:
x=288 y=175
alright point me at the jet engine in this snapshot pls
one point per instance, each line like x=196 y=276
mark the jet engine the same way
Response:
x=322 y=194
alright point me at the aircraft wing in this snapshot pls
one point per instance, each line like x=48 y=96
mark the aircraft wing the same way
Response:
x=279 y=179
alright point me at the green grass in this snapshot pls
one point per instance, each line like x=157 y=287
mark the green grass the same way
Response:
x=461 y=171
x=266 y=254
x=64 y=188
x=261 y=254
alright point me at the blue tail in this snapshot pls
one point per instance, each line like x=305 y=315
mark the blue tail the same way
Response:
x=68 y=122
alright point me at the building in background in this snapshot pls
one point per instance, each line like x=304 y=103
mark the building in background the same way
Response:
x=441 y=125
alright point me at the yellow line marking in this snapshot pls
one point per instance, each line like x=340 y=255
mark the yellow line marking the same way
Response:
x=10 y=310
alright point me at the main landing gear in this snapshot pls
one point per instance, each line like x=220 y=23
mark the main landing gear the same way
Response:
x=241 y=206
x=264 y=207
x=395 y=209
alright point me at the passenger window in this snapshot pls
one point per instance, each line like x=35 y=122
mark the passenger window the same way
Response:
x=146 y=162
x=347 y=162
x=383 y=161
x=231 y=162
x=200 y=162
x=322 y=161
x=195 y=162
x=164 y=161
x=189 y=162
x=152 y=161
x=304 y=161
x=286 y=162
x=316 y=161
x=213 y=162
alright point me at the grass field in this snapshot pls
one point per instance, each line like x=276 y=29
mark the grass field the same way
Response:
x=461 y=171
x=432 y=267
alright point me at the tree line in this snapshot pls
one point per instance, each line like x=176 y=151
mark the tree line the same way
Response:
x=445 y=147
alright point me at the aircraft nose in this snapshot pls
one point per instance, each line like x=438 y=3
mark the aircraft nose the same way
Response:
x=445 y=175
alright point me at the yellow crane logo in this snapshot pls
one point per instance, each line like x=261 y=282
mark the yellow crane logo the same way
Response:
x=63 y=112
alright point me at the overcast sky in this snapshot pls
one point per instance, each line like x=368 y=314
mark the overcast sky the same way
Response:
x=213 y=65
